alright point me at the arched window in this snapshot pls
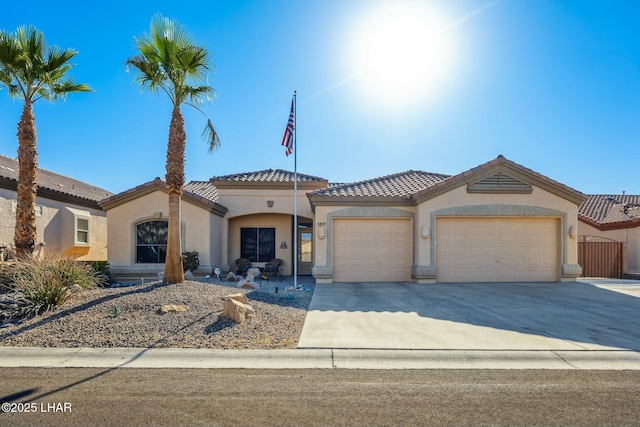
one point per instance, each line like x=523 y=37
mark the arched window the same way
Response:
x=151 y=241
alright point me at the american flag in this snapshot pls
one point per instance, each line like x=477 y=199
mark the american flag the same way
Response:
x=287 y=139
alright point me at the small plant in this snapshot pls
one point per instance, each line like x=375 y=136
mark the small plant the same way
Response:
x=115 y=311
x=46 y=282
x=190 y=261
x=101 y=268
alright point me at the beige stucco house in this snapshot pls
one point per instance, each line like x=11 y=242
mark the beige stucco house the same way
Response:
x=69 y=220
x=497 y=222
x=494 y=223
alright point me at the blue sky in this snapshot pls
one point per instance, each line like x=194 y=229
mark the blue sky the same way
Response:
x=554 y=86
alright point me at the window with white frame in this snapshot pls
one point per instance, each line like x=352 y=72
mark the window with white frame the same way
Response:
x=82 y=230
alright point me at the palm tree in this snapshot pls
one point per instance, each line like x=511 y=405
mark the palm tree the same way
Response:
x=170 y=62
x=31 y=70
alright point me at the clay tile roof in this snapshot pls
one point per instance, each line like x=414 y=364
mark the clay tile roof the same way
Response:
x=267 y=175
x=54 y=182
x=204 y=189
x=199 y=192
x=402 y=184
x=599 y=211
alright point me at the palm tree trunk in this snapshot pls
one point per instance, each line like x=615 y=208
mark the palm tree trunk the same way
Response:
x=173 y=271
x=25 y=231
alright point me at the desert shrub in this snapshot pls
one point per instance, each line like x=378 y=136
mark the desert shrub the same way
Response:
x=45 y=283
x=190 y=261
x=102 y=270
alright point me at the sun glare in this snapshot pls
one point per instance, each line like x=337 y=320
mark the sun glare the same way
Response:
x=401 y=53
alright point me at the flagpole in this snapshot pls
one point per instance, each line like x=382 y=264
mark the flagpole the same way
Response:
x=295 y=194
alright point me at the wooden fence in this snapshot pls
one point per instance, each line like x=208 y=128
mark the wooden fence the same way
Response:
x=600 y=259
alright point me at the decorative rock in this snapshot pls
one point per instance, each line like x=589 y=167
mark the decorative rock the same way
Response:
x=171 y=308
x=252 y=273
x=188 y=275
x=250 y=285
x=247 y=284
x=236 y=310
x=238 y=297
x=231 y=277
x=161 y=276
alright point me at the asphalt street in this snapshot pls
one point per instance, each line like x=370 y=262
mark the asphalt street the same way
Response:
x=319 y=397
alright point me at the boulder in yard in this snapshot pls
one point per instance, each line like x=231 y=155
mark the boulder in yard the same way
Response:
x=238 y=297
x=237 y=311
x=171 y=308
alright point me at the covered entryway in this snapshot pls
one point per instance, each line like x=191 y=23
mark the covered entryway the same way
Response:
x=498 y=249
x=372 y=250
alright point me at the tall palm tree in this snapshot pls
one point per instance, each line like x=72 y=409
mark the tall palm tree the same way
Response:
x=170 y=62
x=32 y=70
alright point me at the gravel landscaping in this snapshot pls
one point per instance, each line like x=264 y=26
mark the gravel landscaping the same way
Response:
x=129 y=317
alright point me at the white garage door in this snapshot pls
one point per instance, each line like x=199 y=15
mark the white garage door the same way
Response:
x=501 y=249
x=372 y=250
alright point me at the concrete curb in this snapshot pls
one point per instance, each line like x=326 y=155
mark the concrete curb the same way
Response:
x=172 y=358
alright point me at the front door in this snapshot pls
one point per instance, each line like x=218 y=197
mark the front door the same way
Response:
x=305 y=250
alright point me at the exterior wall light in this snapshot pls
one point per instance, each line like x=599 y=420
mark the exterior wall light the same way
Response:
x=270 y=203
x=424 y=232
x=283 y=245
x=322 y=232
x=573 y=232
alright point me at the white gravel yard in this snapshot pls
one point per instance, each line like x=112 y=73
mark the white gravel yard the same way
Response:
x=90 y=318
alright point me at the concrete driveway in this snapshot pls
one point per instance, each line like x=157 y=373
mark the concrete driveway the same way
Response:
x=593 y=314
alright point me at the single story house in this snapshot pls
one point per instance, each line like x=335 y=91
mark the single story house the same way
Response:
x=69 y=220
x=496 y=222
x=609 y=227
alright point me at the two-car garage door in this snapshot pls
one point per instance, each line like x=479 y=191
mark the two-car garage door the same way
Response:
x=468 y=249
x=497 y=249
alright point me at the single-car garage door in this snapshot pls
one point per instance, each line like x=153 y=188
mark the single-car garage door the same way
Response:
x=504 y=249
x=372 y=250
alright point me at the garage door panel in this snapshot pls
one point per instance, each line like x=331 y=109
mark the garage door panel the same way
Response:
x=497 y=249
x=372 y=250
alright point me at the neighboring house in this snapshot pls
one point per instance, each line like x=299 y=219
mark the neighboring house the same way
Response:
x=603 y=221
x=69 y=220
x=497 y=222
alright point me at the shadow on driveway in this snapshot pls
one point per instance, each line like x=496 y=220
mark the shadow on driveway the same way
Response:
x=586 y=315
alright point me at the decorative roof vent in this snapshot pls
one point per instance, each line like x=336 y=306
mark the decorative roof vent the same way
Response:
x=499 y=183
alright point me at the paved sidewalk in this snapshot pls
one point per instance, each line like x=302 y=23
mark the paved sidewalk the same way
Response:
x=113 y=358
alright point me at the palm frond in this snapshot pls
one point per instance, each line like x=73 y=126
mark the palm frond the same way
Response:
x=210 y=135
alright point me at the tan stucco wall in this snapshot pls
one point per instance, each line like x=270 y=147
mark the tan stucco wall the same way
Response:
x=56 y=228
x=424 y=213
x=198 y=233
x=250 y=201
x=248 y=208
x=629 y=236
x=460 y=197
x=283 y=225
